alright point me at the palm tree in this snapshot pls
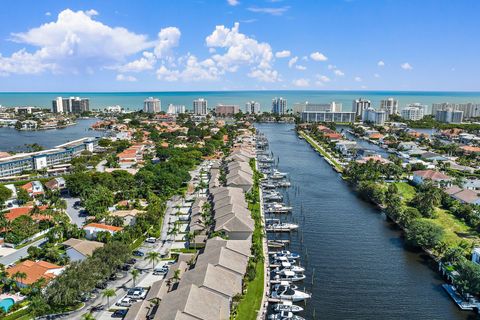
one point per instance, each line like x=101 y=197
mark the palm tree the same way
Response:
x=176 y=275
x=19 y=276
x=88 y=316
x=135 y=273
x=154 y=257
x=108 y=293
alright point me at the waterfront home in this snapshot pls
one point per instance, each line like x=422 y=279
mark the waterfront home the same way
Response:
x=78 y=250
x=14 y=213
x=407 y=145
x=470 y=149
x=92 y=229
x=467 y=138
x=34 y=188
x=438 y=178
x=464 y=195
x=34 y=271
x=346 y=146
x=451 y=134
x=432 y=156
x=375 y=158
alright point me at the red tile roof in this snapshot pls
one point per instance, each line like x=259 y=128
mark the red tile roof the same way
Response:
x=33 y=270
x=432 y=175
x=21 y=211
x=103 y=226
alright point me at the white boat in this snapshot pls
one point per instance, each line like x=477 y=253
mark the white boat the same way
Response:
x=289 y=266
x=277 y=175
x=281 y=227
x=287 y=306
x=288 y=275
x=284 y=184
x=285 y=253
x=284 y=315
x=286 y=292
x=280 y=260
x=277 y=208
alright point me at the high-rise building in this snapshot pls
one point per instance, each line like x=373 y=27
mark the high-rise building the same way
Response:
x=70 y=105
x=175 y=109
x=327 y=116
x=200 y=107
x=279 y=105
x=320 y=107
x=359 y=105
x=152 y=105
x=377 y=117
x=390 y=106
x=414 y=112
x=57 y=105
x=449 y=116
x=470 y=110
x=222 y=110
x=252 y=107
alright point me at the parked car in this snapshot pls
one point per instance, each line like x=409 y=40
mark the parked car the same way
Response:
x=161 y=270
x=126 y=302
x=132 y=261
x=151 y=240
x=97 y=308
x=126 y=267
x=119 y=313
x=138 y=253
x=101 y=285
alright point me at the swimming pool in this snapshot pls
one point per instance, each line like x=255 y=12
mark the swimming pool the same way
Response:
x=6 y=303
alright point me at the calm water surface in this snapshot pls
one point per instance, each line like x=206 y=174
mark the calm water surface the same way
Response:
x=361 y=269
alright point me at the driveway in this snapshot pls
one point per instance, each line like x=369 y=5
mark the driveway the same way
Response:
x=20 y=253
x=76 y=215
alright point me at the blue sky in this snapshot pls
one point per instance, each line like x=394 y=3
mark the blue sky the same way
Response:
x=239 y=45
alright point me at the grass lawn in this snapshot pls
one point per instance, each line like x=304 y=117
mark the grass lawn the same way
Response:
x=455 y=229
x=250 y=304
x=406 y=190
x=325 y=154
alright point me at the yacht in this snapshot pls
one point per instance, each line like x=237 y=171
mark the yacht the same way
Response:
x=277 y=175
x=286 y=253
x=287 y=306
x=289 y=266
x=268 y=185
x=284 y=184
x=285 y=291
x=280 y=260
x=272 y=196
x=284 y=315
x=288 y=275
x=281 y=227
x=277 y=208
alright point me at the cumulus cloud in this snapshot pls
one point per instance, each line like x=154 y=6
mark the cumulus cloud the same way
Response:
x=264 y=75
x=168 y=38
x=376 y=75
x=301 y=82
x=300 y=67
x=338 y=72
x=48 y=13
x=381 y=63
x=146 y=62
x=357 y=79
x=323 y=78
x=193 y=70
x=406 y=66
x=233 y=2
x=272 y=11
x=72 y=42
x=292 y=62
x=318 y=56
x=121 y=77
x=283 y=54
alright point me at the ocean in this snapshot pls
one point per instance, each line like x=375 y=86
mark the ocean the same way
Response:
x=134 y=100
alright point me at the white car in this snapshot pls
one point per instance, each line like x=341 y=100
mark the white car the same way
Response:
x=151 y=240
x=126 y=302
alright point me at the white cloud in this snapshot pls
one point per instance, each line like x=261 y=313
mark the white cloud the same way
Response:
x=48 y=13
x=406 y=66
x=331 y=67
x=376 y=75
x=72 y=43
x=357 y=79
x=318 y=56
x=272 y=11
x=121 y=77
x=300 y=67
x=233 y=2
x=292 y=62
x=283 y=54
x=193 y=70
x=239 y=49
x=323 y=78
x=381 y=63
x=264 y=75
x=146 y=62
x=168 y=38
x=301 y=82
x=339 y=72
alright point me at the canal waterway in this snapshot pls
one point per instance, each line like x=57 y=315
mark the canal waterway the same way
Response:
x=357 y=266
x=14 y=140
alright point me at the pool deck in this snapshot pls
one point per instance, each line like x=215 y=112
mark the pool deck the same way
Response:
x=16 y=298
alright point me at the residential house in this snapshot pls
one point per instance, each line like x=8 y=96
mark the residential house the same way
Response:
x=34 y=271
x=129 y=216
x=78 y=250
x=471 y=184
x=438 y=178
x=56 y=184
x=34 y=188
x=92 y=229
x=14 y=213
x=464 y=195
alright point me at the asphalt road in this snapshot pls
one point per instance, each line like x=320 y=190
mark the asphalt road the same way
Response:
x=20 y=253
x=75 y=215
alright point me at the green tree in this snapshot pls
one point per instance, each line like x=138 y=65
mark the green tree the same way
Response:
x=22 y=195
x=98 y=200
x=135 y=274
x=153 y=257
x=426 y=199
x=108 y=293
x=5 y=194
x=424 y=233
x=468 y=280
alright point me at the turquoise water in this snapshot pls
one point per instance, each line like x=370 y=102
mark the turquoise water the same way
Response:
x=134 y=100
x=7 y=303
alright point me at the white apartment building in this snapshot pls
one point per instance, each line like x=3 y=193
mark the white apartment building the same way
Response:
x=390 y=106
x=317 y=107
x=414 y=112
x=252 y=107
x=175 y=109
x=470 y=110
x=279 y=105
x=449 y=116
x=152 y=105
x=359 y=105
x=200 y=107
x=377 y=117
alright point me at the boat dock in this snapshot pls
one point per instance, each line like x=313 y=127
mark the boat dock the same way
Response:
x=459 y=300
